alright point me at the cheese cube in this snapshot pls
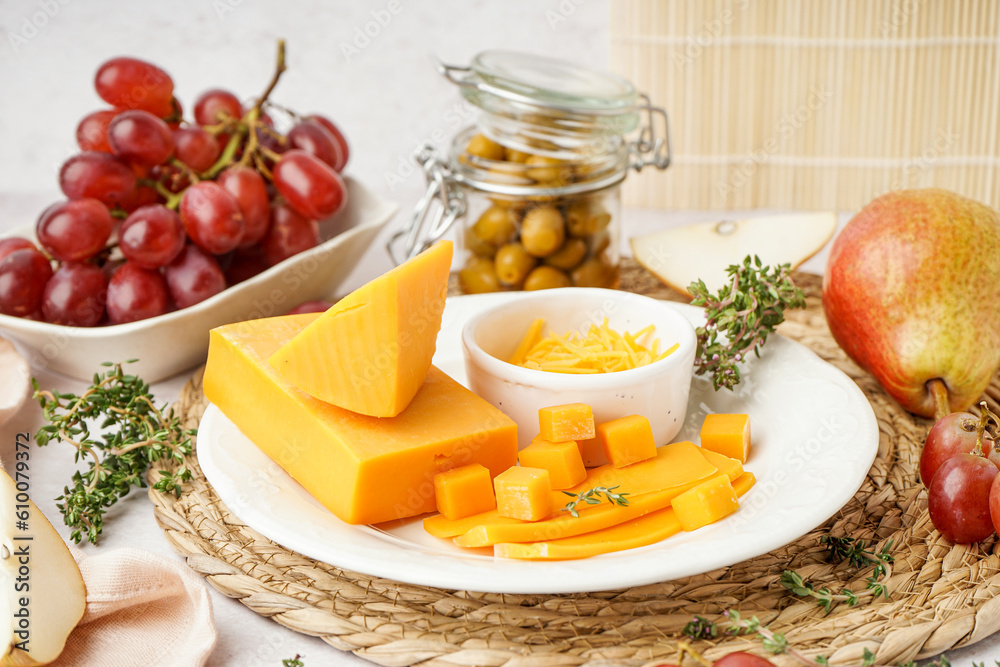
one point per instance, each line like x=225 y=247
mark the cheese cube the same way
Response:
x=561 y=459
x=627 y=440
x=706 y=503
x=592 y=452
x=363 y=469
x=464 y=491
x=728 y=435
x=573 y=421
x=524 y=493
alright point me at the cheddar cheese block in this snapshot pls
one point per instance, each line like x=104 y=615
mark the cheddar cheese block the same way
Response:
x=369 y=353
x=363 y=469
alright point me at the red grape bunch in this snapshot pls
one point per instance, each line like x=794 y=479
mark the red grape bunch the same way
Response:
x=161 y=212
x=959 y=465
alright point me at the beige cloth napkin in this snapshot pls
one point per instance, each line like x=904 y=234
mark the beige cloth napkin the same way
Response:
x=142 y=609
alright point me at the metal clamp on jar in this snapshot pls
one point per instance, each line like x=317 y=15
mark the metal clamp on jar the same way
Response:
x=536 y=182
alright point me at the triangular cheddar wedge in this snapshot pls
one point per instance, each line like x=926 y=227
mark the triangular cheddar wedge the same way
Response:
x=370 y=352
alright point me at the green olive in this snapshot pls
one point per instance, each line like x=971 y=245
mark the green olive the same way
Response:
x=513 y=204
x=478 y=276
x=585 y=218
x=542 y=231
x=495 y=226
x=476 y=245
x=600 y=242
x=546 y=277
x=569 y=255
x=511 y=155
x=595 y=272
x=481 y=146
x=548 y=170
x=512 y=264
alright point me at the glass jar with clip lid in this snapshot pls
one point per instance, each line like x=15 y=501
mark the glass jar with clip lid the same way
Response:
x=536 y=182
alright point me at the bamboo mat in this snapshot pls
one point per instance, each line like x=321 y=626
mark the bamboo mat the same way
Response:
x=941 y=596
x=815 y=105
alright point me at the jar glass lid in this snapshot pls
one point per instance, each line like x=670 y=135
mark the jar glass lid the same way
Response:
x=548 y=82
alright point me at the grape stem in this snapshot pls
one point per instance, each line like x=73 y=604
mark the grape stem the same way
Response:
x=278 y=71
x=683 y=648
x=984 y=419
x=188 y=171
x=939 y=393
x=173 y=198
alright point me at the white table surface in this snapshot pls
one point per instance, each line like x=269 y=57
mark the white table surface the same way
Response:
x=385 y=95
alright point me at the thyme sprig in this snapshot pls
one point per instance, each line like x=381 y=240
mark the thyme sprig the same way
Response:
x=856 y=552
x=743 y=313
x=132 y=432
x=732 y=623
x=735 y=624
x=293 y=662
x=593 y=497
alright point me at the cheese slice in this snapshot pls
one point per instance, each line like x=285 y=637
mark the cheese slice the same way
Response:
x=370 y=352
x=678 y=467
x=363 y=469
x=647 y=529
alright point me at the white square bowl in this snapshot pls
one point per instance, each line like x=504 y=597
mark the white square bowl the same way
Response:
x=177 y=341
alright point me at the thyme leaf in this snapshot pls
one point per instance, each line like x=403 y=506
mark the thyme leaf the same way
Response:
x=858 y=555
x=593 y=497
x=131 y=433
x=739 y=318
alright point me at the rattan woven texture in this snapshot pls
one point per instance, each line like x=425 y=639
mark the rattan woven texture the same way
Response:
x=941 y=595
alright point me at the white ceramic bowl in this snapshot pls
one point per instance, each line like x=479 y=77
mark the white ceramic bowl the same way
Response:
x=658 y=391
x=177 y=341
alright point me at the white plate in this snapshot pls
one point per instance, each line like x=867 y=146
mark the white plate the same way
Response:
x=814 y=438
x=176 y=341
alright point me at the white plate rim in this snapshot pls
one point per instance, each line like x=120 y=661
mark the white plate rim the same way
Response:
x=384 y=553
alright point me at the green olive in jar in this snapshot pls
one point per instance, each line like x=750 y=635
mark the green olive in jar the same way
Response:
x=585 y=217
x=543 y=231
x=512 y=263
x=495 y=226
x=513 y=204
x=479 y=276
x=600 y=242
x=569 y=255
x=511 y=155
x=548 y=170
x=595 y=272
x=546 y=277
x=476 y=245
x=483 y=147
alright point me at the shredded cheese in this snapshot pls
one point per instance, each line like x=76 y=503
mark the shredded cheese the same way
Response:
x=600 y=350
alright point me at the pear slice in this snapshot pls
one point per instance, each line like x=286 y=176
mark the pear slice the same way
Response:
x=50 y=584
x=15 y=380
x=682 y=255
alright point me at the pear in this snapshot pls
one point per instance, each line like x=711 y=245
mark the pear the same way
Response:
x=912 y=293
x=42 y=595
x=681 y=255
x=15 y=380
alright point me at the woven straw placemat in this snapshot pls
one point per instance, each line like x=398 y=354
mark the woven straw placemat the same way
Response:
x=941 y=595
